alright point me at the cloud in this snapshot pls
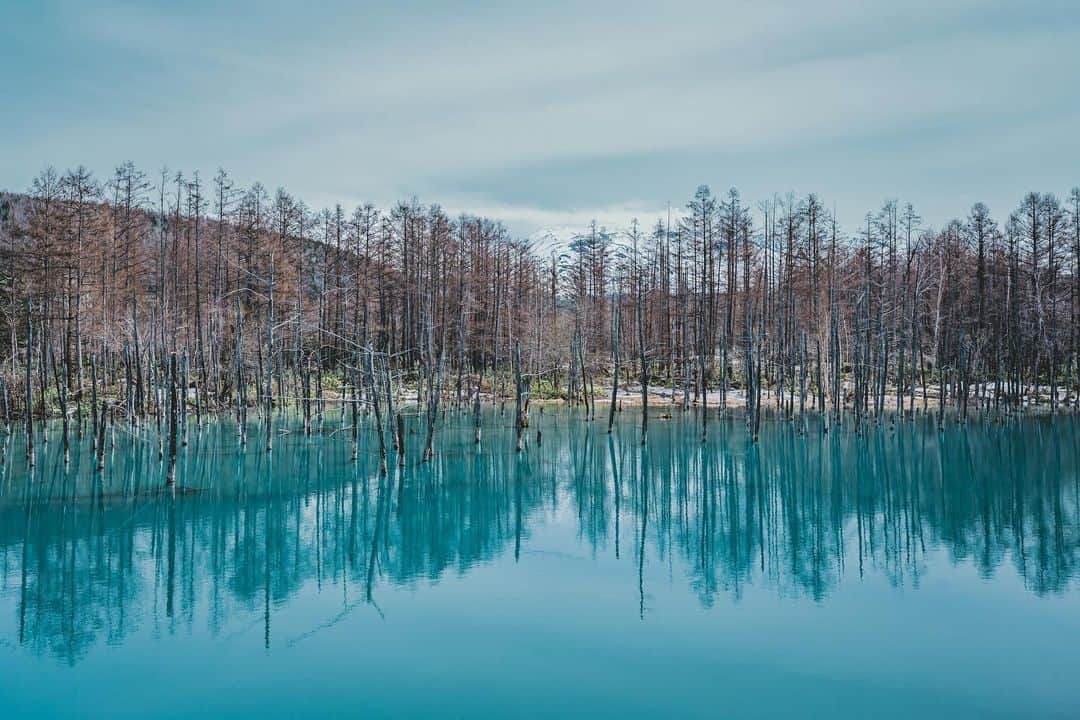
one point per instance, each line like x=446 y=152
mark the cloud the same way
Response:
x=554 y=227
x=498 y=105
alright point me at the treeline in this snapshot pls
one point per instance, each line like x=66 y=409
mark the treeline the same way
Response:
x=151 y=297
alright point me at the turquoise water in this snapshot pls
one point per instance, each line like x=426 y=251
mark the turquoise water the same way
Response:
x=905 y=572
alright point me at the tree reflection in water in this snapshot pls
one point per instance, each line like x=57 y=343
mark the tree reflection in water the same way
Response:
x=87 y=557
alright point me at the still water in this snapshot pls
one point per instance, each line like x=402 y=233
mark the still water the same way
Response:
x=901 y=573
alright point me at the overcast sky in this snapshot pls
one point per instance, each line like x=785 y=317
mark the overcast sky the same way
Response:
x=549 y=114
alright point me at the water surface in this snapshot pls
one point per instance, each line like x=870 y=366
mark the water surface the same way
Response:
x=898 y=573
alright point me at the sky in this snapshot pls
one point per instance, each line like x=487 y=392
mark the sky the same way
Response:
x=548 y=115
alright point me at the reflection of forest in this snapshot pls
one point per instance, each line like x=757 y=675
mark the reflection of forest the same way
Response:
x=89 y=557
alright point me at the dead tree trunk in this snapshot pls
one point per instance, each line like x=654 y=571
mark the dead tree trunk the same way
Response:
x=29 y=390
x=373 y=394
x=173 y=419
x=520 y=421
x=615 y=364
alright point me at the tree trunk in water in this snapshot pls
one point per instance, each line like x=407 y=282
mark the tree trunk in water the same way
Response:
x=373 y=393
x=173 y=419
x=519 y=399
x=29 y=390
x=615 y=365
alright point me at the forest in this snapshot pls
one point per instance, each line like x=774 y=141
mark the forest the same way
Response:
x=152 y=300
